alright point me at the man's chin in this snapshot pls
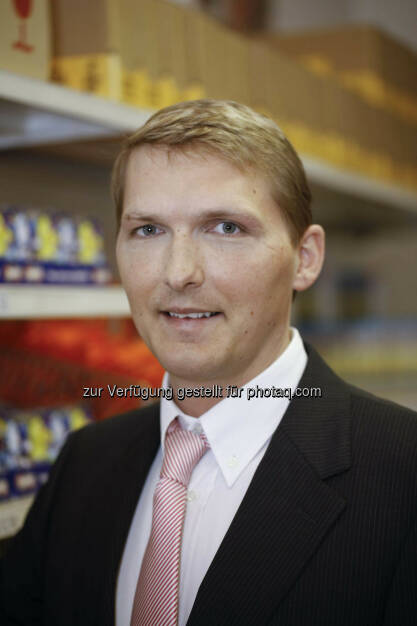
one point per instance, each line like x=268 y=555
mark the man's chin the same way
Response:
x=192 y=371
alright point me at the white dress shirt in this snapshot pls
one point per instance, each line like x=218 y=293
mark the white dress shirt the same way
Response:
x=239 y=431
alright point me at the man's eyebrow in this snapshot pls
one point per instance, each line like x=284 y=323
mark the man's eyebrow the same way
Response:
x=230 y=212
x=136 y=215
x=213 y=213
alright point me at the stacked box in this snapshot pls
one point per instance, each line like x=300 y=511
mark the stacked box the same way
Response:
x=30 y=441
x=178 y=55
x=185 y=54
x=169 y=53
x=153 y=51
x=363 y=59
x=86 y=46
x=195 y=51
x=50 y=247
x=138 y=44
x=325 y=120
x=25 y=37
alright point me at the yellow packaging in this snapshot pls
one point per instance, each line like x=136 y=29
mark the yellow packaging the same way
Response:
x=381 y=70
x=86 y=41
x=139 y=52
x=137 y=88
x=99 y=74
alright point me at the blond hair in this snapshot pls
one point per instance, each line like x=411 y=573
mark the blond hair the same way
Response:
x=235 y=132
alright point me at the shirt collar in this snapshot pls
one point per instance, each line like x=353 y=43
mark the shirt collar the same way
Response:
x=238 y=427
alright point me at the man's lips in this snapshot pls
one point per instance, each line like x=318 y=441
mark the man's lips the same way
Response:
x=186 y=310
x=190 y=314
x=189 y=318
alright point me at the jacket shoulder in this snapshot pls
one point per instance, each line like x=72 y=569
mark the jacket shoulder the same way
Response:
x=365 y=404
x=116 y=432
x=373 y=432
x=387 y=433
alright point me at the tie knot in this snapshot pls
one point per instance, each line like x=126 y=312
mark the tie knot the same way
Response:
x=183 y=450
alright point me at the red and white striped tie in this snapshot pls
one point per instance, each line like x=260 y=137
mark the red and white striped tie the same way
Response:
x=156 y=597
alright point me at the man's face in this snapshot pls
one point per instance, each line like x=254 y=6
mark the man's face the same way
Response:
x=199 y=236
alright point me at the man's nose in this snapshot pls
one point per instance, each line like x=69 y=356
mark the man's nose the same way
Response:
x=184 y=263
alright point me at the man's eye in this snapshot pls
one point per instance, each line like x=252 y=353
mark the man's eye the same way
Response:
x=147 y=231
x=227 y=228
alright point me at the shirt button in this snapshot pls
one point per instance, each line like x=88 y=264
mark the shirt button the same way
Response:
x=191 y=495
x=233 y=461
x=197 y=429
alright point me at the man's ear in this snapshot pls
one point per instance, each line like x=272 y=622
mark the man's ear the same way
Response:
x=310 y=257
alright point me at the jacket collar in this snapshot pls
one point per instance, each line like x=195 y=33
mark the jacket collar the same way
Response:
x=113 y=502
x=320 y=426
x=287 y=510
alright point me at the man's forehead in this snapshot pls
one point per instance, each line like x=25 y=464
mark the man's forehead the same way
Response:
x=160 y=155
x=207 y=184
x=149 y=162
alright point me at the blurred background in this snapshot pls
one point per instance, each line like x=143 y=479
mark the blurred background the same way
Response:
x=339 y=77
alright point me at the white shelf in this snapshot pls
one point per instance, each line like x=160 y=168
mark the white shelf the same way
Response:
x=50 y=301
x=35 y=113
x=12 y=515
x=331 y=177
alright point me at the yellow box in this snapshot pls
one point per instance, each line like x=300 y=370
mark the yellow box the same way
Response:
x=86 y=46
x=99 y=74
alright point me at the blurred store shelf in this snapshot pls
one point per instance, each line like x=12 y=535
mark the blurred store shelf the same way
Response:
x=47 y=301
x=34 y=113
x=359 y=186
x=378 y=355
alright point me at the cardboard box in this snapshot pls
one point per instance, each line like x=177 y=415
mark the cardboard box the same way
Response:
x=161 y=41
x=376 y=142
x=236 y=67
x=195 y=51
x=25 y=38
x=284 y=90
x=326 y=121
x=213 y=39
x=82 y=28
x=161 y=52
x=86 y=41
x=135 y=20
x=362 y=58
x=217 y=58
x=138 y=52
x=171 y=54
x=171 y=70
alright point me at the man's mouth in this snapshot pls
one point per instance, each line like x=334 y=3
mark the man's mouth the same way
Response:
x=190 y=322
x=192 y=315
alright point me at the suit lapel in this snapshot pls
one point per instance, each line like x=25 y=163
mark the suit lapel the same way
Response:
x=105 y=531
x=287 y=510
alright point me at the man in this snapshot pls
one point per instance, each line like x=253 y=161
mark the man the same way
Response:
x=231 y=503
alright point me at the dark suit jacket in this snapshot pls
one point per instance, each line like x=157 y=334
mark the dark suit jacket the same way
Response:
x=326 y=534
